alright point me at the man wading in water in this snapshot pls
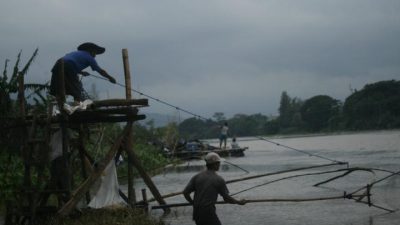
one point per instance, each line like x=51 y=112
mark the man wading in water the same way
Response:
x=206 y=186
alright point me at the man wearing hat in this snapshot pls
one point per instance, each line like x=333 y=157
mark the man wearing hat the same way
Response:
x=74 y=64
x=206 y=186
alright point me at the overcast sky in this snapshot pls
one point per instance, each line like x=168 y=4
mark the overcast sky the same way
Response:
x=230 y=56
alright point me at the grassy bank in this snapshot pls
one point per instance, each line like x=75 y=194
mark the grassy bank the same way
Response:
x=107 y=216
x=11 y=177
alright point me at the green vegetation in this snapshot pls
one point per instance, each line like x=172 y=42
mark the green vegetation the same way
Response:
x=117 y=216
x=11 y=162
x=376 y=106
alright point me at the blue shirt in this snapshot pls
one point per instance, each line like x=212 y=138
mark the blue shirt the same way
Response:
x=81 y=60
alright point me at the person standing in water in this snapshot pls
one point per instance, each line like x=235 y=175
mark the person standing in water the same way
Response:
x=207 y=185
x=223 y=135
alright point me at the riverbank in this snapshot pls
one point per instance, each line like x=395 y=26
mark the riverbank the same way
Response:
x=105 y=216
x=303 y=135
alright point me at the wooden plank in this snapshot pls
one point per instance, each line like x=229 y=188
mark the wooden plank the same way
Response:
x=120 y=102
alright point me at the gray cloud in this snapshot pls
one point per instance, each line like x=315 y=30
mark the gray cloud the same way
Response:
x=208 y=56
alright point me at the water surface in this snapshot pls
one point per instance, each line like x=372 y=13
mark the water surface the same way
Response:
x=380 y=150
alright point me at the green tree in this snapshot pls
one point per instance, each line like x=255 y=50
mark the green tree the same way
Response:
x=376 y=106
x=194 y=128
x=244 y=125
x=9 y=83
x=290 y=120
x=285 y=112
x=317 y=111
x=219 y=116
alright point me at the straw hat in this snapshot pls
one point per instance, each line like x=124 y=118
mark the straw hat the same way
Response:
x=212 y=157
x=89 y=46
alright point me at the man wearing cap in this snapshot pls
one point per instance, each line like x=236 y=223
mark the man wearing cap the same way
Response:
x=74 y=64
x=206 y=186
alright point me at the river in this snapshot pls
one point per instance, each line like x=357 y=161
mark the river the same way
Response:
x=378 y=149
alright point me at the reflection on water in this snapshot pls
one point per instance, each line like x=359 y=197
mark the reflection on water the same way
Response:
x=374 y=150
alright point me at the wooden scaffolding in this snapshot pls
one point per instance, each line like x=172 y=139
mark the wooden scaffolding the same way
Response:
x=36 y=130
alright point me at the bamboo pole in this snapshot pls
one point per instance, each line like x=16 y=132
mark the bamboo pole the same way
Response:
x=120 y=102
x=302 y=175
x=350 y=170
x=280 y=172
x=258 y=176
x=84 y=187
x=135 y=160
x=104 y=119
x=82 y=151
x=63 y=125
x=128 y=143
x=378 y=181
x=264 y=201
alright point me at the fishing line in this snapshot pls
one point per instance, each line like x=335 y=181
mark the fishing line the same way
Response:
x=154 y=98
x=302 y=151
x=203 y=118
x=349 y=170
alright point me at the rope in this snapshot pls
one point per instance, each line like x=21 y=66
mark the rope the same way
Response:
x=378 y=181
x=155 y=99
x=306 y=174
x=203 y=118
x=302 y=151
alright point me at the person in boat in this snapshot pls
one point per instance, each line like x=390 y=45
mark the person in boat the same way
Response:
x=206 y=186
x=234 y=144
x=74 y=63
x=223 y=135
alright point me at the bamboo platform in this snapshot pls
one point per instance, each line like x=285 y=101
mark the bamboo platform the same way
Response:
x=36 y=129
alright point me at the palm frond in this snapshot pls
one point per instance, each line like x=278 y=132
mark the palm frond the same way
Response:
x=36 y=87
x=3 y=81
x=14 y=76
x=42 y=98
x=28 y=64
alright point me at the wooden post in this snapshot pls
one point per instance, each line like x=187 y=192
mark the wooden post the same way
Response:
x=82 y=157
x=63 y=124
x=26 y=149
x=145 y=203
x=133 y=158
x=127 y=73
x=128 y=142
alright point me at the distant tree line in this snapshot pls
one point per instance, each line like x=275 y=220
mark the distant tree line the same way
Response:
x=375 y=106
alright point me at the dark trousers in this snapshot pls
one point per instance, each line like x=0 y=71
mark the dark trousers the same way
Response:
x=72 y=84
x=206 y=216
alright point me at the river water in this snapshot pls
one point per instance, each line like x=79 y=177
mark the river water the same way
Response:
x=379 y=150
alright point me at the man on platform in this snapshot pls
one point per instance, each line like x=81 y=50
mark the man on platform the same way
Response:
x=74 y=63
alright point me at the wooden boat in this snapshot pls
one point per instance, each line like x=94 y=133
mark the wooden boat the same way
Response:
x=188 y=154
x=198 y=149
